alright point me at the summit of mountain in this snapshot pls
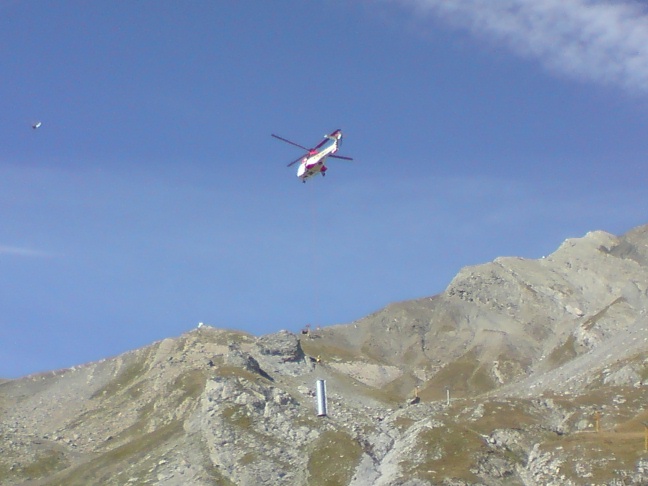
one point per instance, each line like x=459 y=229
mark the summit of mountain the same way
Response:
x=513 y=318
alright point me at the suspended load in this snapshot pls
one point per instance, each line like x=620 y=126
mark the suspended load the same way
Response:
x=321 y=398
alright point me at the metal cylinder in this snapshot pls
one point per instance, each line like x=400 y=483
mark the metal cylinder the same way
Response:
x=321 y=398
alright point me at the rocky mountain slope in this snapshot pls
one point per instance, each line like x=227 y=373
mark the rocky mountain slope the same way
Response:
x=523 y=372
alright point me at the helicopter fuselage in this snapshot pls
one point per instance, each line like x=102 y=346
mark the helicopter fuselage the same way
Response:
x=315 y=164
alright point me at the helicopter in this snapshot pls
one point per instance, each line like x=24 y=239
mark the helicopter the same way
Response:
x=312 y=162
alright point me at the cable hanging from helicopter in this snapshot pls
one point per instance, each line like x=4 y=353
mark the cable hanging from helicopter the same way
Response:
x=313 y=162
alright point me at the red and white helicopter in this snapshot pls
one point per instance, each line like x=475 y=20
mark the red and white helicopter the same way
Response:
x=312 y=162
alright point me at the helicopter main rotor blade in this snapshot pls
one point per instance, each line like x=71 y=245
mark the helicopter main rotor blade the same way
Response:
x=290 y=142
x=340 y=157
x=296 y=160
x=321 y=143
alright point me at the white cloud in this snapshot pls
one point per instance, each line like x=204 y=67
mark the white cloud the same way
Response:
x=596 y=40
x=22 y=252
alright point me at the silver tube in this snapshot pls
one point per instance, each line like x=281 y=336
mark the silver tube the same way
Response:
x=321 y=398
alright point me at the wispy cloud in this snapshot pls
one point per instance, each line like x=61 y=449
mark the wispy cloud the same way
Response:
x=595 y=40
x=23 y=252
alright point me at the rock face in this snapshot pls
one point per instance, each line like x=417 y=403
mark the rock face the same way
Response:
x=523 y=372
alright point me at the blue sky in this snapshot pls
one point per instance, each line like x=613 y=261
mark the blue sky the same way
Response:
x=153 y=197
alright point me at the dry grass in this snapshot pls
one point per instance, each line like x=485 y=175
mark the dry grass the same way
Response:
x=466 y=377
x=44 y=463
x=563 y=353
x=505 y=415
x=333 y=459
x=444 y=452
x=328 y=351
x=113 y=466
x=597 y=454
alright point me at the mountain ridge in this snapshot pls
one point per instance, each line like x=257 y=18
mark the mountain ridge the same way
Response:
x=494 y=381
